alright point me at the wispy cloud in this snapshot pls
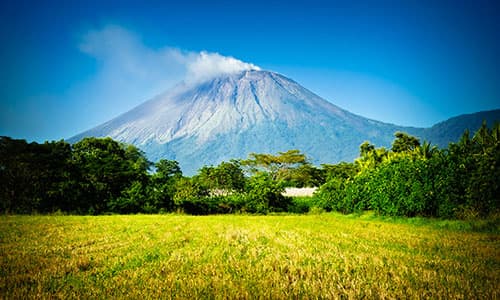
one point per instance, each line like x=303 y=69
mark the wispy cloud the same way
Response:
x=204 y=65
x=124 y=60
x=124 y=57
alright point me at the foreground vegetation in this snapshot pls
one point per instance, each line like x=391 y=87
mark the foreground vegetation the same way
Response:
x=241 y=256
x=99 y=176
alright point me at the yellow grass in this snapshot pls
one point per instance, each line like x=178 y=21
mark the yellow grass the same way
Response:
x=271 y=257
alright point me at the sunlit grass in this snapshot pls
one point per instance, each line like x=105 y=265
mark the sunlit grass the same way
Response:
x=288 y=256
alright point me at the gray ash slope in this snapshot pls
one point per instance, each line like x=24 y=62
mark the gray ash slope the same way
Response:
x=233 y=115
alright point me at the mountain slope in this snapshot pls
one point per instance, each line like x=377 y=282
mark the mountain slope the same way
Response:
x=451 y=130
x=233 y=115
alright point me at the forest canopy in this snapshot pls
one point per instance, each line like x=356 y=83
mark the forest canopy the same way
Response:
x=100 y=175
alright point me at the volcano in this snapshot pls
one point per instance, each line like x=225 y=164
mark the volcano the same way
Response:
x=233 y=115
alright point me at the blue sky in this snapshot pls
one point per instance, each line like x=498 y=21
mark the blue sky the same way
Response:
x=67 y=66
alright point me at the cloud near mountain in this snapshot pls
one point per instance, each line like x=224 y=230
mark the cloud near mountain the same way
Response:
x=206 y=65
x=124 y=57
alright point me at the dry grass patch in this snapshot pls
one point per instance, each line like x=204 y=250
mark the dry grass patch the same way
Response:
x=172 y=256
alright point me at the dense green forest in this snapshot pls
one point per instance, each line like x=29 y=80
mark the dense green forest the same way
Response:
x=100 y=175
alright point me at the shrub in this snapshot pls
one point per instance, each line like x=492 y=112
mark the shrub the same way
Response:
x=264 y=195
x=300 y=205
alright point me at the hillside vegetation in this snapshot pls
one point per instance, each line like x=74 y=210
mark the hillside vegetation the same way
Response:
x=97 y=176
x=230 y=256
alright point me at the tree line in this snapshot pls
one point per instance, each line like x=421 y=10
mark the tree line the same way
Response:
x=414 y=179
x=100 y=175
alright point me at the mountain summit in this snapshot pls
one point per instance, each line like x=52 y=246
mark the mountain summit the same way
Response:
x=233 y=115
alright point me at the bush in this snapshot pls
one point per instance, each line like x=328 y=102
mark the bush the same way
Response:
x=301 y=205
x=130 y=201
x=403 y=187
x=331 y=194
x=264 y=195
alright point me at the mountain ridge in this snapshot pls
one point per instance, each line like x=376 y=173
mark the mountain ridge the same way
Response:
x=252 y=111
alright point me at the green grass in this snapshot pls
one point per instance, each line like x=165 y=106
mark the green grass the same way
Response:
x=231 y=256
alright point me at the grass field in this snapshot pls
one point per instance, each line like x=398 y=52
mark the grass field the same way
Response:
x=231 y=256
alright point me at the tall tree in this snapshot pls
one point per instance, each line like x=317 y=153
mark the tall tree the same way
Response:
x=404 y=142
x=163 y=184
x=34 y=177
x=370 y=157
x=105 y=169
x=278 y=166
x=16 y=193
x=225 y=178
x=167 y=169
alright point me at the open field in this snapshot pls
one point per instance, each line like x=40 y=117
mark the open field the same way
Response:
x=290 y=256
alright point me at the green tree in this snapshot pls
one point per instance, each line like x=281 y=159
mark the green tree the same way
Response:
x=263 y=195
x=226 y=178
x=55 y=173
x=426 y=150
x=365 y=149
x=163 y=184
x=34 y=177
x=370 y=157
x=403 y=186
x=167 y=169
x=192 y=197
x=404 y=142
x=342 y=170
x=278 y=166
x=483 y=189
x=131 y=200
x=105 y=168
x=16 y=178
